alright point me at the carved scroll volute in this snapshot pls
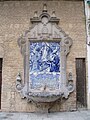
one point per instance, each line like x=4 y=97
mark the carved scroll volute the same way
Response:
x=68 y=42
x=22 y=44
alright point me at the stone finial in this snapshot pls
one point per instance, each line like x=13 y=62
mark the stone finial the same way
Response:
x=18 y=77
x=70 y=76
x=44 y=8
x=70 y=85
x=18 y=82
x=53 y=14
x=35 y=14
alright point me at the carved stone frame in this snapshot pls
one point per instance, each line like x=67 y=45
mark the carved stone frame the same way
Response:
x=45 y=28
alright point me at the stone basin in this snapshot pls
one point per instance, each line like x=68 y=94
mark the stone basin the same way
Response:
x=44 y=96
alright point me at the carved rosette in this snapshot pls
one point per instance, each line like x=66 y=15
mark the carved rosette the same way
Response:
x=45 y=28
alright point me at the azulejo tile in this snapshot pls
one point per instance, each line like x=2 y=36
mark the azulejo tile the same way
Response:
x=44 y=63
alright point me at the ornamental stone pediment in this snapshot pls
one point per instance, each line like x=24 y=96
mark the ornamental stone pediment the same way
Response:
x=45 y=47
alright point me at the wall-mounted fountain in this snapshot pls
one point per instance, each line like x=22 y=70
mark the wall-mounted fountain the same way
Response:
x=45 y=47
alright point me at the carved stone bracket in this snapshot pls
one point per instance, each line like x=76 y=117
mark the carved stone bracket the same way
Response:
x=45 y=29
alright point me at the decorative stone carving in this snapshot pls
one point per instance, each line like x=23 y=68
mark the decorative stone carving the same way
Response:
x=18 y=82
x=45 y=47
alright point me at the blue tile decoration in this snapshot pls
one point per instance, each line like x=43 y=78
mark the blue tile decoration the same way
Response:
x=44 y=64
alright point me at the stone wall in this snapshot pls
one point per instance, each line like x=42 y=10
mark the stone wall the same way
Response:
x=14 y=20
